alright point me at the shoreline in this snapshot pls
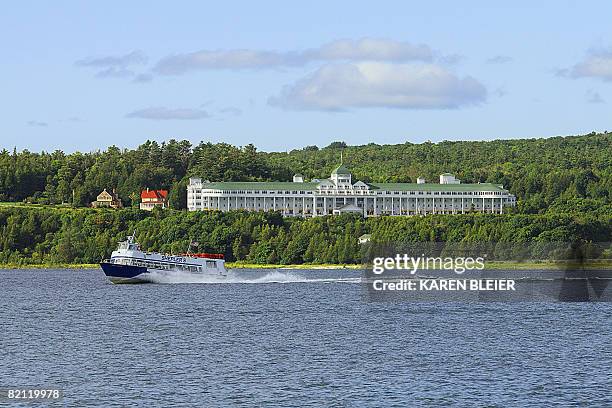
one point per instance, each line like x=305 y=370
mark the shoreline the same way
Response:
x=493 y=265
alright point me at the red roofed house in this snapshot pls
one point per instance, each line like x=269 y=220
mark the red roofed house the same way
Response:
x=150 y=199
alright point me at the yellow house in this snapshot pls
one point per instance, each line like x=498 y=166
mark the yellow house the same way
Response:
x=106 y=199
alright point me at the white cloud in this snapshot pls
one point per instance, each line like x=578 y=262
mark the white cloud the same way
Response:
x=597 y=64
x=232 y=59
x=132 y=58
x=164 y=113
x=366 y=49
x=369 y=49
x=37 y=123
x=113 y=72
x=114 y=66
x=373 y=84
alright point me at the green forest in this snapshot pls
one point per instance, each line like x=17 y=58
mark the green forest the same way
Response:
x=563 y=187
x=63 y=236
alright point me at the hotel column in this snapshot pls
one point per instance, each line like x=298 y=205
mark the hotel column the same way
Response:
x=392 y=211
x=462 y=211
x=324 y=205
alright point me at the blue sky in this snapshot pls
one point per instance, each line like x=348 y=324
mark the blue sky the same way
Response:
x=283 y=75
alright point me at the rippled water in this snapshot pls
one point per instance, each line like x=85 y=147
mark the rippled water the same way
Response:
x=293 y=338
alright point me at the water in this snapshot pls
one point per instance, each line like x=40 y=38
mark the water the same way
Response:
x=293 y=338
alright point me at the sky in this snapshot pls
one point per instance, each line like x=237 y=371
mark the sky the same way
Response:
x=284 y=75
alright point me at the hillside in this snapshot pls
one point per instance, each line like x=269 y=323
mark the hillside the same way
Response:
x=570 y=174
x=47 y=235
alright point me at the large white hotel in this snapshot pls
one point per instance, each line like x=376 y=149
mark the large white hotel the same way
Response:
x=338 y=194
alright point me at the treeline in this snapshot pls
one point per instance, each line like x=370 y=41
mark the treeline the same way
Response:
x=54 y=235
x=76 y=179
x=555 y=175
x=560 y=174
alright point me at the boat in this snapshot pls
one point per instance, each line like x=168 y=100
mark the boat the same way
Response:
x=129 y=264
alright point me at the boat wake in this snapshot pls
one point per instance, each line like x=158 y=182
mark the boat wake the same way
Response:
x=239 y=278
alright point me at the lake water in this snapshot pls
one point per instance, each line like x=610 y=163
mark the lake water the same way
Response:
x=293 y=338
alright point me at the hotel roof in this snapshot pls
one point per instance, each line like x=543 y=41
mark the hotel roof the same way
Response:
x=291 y=186
x=341 y=169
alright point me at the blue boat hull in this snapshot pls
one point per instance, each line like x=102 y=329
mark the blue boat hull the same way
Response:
x=124 y=273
